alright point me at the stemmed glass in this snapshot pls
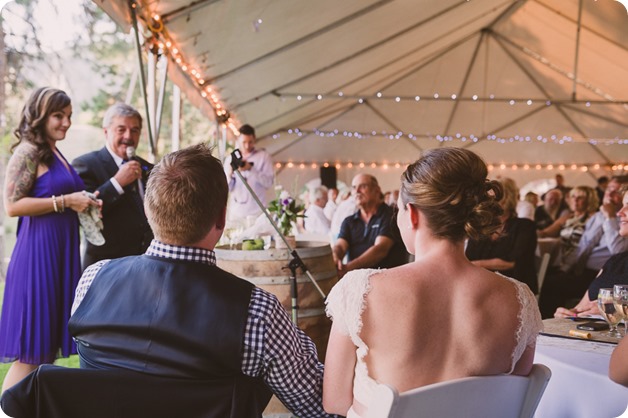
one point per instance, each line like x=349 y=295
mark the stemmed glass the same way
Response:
x=620 y=297
x=609 y=312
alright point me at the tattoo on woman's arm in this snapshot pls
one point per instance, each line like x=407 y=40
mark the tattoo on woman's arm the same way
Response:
x=21 y=173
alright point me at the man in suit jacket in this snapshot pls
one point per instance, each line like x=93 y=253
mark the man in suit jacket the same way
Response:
x=120 y=184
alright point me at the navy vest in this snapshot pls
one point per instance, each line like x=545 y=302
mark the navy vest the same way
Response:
x=164 y=317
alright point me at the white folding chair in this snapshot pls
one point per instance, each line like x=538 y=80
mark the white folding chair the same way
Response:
x=501 y=396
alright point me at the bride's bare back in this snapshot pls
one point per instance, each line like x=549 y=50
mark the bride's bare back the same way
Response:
x=428 y=322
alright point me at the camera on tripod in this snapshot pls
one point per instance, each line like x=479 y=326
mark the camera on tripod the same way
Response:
x=237 y=161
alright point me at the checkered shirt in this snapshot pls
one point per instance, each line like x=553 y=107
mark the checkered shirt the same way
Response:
x=273 y=347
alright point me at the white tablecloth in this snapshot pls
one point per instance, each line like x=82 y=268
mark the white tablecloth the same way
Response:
x=579 y=387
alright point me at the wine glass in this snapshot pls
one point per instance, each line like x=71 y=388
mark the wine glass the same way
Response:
x=620 y=297
x=609 y=312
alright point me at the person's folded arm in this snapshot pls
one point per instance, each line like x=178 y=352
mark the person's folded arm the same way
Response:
x=372 y=256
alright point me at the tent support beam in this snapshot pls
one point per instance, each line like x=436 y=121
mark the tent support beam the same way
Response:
x=412 y=68
x=304 y=39
x=464 y=82
x=595 y=115
x=384 y=118
x=186 y=9
x=347 y=110
x=546 y=62
x=138 y=49
x=575 y=64
x=356 y=54
x=510 y=123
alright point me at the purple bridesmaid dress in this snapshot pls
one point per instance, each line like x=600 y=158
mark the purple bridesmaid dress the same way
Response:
x=42 y=275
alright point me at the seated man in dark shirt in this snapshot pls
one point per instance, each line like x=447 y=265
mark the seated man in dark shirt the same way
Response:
x=172 y=312
x=370 y=237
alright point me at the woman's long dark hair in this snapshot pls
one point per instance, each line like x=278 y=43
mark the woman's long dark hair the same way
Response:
x=40 y=105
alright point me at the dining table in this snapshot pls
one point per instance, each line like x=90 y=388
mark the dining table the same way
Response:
x=579 y=386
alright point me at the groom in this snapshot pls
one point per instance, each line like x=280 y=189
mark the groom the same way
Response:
x=172 y=312
x=121 y=182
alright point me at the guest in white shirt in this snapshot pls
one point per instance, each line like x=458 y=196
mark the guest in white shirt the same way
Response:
x=315 y=220
x=330 y=207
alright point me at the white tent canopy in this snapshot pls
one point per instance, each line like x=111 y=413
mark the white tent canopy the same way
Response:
x=522 y=83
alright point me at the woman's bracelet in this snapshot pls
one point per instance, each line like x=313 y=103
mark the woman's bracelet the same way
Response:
x=54 y=203
x=62 y=203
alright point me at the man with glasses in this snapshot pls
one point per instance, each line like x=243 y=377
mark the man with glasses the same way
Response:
x=120 y=182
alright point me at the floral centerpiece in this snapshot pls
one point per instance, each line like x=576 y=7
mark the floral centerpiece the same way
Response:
x=285 y=210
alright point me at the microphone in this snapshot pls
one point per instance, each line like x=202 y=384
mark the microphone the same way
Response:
x=130 y=154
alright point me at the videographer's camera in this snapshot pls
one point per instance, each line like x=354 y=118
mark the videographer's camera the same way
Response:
x=237 y=161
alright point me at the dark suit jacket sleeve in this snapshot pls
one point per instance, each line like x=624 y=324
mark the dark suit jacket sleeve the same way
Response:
x=107 y=192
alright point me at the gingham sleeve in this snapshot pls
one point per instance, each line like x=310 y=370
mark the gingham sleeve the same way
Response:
x=283 y=355
x=86 y=281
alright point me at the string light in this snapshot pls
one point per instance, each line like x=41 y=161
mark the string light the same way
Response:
x=491 y=167
x=554 y=138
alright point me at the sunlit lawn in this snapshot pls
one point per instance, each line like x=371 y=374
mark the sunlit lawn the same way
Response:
x=72 y=361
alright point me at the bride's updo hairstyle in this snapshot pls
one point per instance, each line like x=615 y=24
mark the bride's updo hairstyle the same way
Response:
x=449 y=186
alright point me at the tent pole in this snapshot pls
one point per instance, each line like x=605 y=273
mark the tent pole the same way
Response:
x=176 y=118
x=138 y=48
x=151 y=64
x=162 y=65
x=575 y=64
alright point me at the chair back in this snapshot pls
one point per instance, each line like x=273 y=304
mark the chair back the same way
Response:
x=500 y=396
x=53 y=391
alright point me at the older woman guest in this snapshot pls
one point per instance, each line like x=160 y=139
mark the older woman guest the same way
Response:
x=45 y=192
x=614 y=271
x=510 y=250
x=444 y=198
x=583 y=204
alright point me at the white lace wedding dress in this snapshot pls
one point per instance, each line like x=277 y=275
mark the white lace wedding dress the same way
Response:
x=345 y=305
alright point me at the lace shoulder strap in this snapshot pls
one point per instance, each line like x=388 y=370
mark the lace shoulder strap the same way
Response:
x=345 y=302
x=530 y=323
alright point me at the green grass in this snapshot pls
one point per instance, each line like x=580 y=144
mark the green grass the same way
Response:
x=72 y=361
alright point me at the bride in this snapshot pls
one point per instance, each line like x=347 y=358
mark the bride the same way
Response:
x=440 y=317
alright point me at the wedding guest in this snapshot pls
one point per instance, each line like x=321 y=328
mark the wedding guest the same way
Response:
x=315 y=220
x=46 y=193
x=120 y=182
x=524 y=209
x=369 y=237
x=511 y=249
x=602 y=182
x=444 y=198
x=614 y=271
x=331 y=205
x=601 y=239
x=533 y=198
x=553 y=207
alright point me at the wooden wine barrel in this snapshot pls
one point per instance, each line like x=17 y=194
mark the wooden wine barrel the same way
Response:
x=265 y=269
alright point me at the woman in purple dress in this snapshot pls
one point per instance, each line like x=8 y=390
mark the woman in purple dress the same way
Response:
x=46 y=193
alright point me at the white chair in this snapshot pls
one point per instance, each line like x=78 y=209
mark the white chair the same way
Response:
x=501 y=396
